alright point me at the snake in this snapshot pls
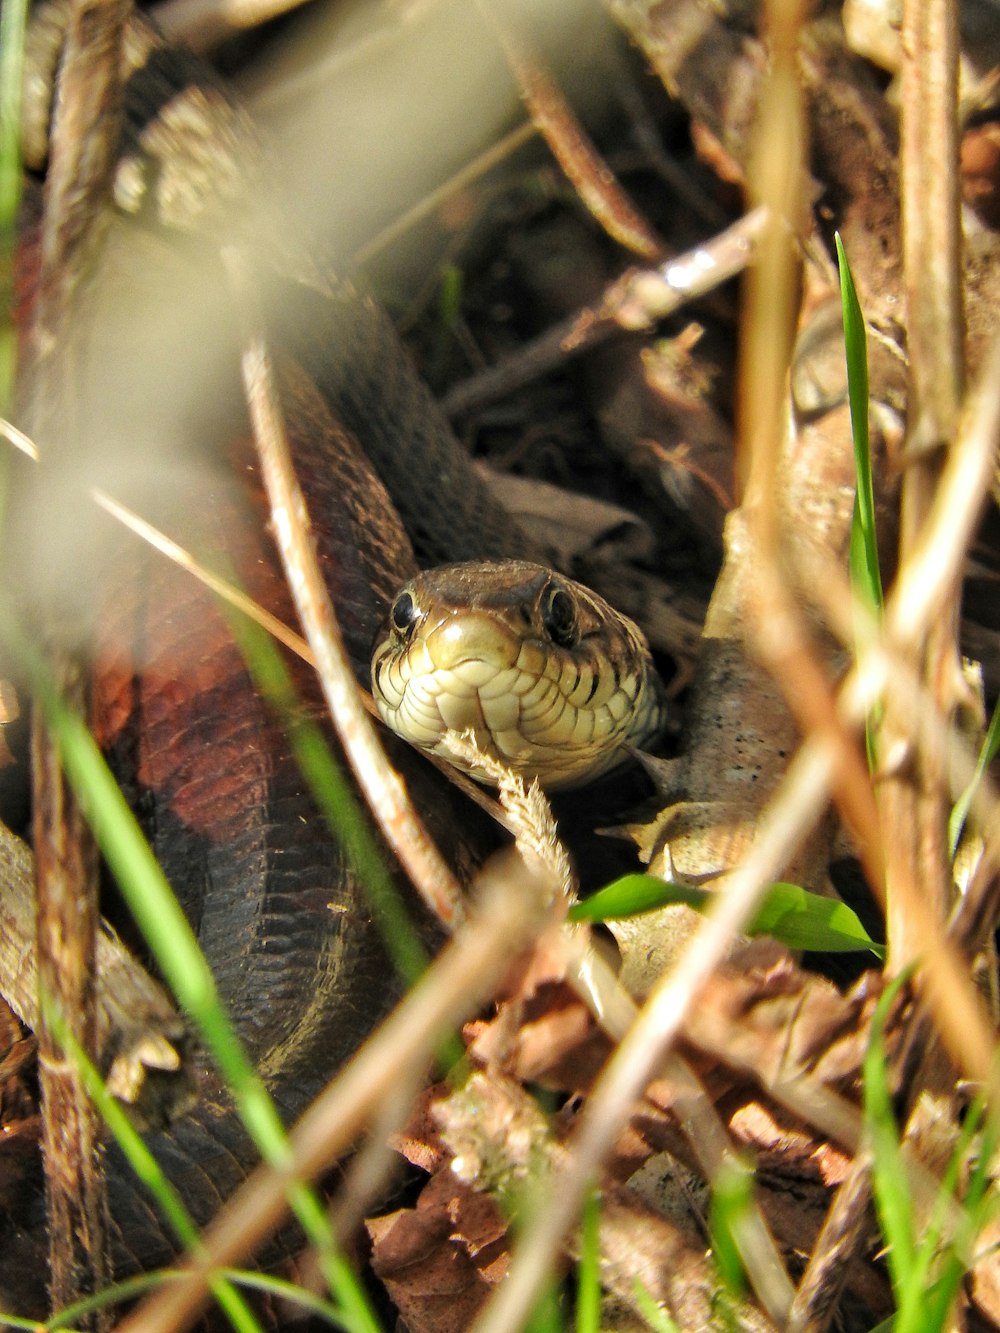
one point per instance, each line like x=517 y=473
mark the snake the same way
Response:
x=544 y=675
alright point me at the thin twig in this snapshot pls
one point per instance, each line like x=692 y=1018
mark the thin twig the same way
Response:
x=66 y=945
x=81 y=157
x=634 y=302
x=844 y=1229
x=77 y=187
x=914 y=793
x=933 y=570
x=588 y=173
x=383 y=788
x=779 y=632
x=202 y=24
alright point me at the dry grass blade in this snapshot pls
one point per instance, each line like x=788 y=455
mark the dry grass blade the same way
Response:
x=79 y=176
x=513 y=902
x=66 y=945
x=76 y=193
x=914 y=793
x=384 y=790
x=801 y=800
x=201 y=24
x=436 y=199
x=223 y=589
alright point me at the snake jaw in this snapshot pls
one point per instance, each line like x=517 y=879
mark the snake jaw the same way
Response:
x=543 y=674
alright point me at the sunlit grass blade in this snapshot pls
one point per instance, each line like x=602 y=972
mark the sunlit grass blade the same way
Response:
x=787 y=912
x=658 y=1320
x=132 y=1288
x=864 y=544
x=988 y=752
x=866 y=578
x=548 y=1316
x=148 y=1170
x=588 y=1271
x=732 y=1189
x=890 y=1182
x=175 y=948
x=13 y=16
x=945 y=1253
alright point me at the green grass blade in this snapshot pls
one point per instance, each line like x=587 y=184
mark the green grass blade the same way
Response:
x=942 y=1263
x=142 y=1283
x=658 y=1320
x=866 y=578
x=547 y=1316
x=148 y=1170
x=890 y=1182
x=732 y=1190
x=588 y=1271
x=864 y=546
x=988 y=752
x=13 y=17
x=175 y=948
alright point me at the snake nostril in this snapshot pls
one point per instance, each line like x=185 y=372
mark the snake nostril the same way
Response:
x=404 y=612
x=559 y=616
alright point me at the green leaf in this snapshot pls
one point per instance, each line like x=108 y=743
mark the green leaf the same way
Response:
x=633 y=894
x=804 y=920
x=989 y=751
x=788 y=913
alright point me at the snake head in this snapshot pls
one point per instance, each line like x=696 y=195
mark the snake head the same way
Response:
x=545 y=675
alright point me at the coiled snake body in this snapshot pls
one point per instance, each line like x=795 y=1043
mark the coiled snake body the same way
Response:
x=278 y=909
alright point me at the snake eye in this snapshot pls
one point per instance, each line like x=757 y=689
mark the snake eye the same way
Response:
x=559 y=616
x=403 y=613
